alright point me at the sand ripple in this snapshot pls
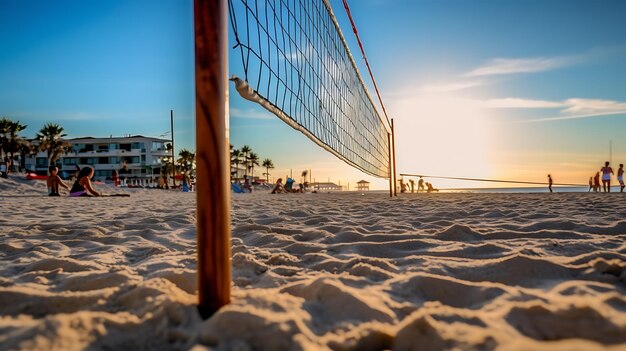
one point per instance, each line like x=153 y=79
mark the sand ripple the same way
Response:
x=318 y=271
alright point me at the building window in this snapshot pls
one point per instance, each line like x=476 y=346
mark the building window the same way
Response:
x=41 y=161
x=70 y=161
x=125 y=147
x=103 y=160
x=136 y=146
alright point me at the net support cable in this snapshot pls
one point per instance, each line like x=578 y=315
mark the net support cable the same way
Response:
x=369 y=69
x=488 y=180
x=297 y=65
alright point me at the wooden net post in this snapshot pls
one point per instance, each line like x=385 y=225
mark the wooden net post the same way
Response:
x=393 y=146
x=173 y=154
x=391 y=183
x=212 y=180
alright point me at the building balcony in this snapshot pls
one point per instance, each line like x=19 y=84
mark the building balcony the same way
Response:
x=161 y=153
x=104 y=153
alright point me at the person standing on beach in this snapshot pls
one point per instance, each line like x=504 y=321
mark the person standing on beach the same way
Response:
x=606 y=177
x=596 y=182
x=420 y=185
x=590 y=184
x=412 y=185
x=550 y=182
x=116 y=178
x=3 y=170
x=620 y=177
x=185 y=182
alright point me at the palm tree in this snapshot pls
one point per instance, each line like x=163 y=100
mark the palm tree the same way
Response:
x=50 y=140
x=14 y=141
x=245 y=150
x=168 y=161
x=5 y=126
x=26 y=149
x=235 y=158
x=304 y=174
x=253 y=160
x=186 y=160
x=267 y=163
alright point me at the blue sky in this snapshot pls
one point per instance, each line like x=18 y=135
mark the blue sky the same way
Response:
x=509 y=89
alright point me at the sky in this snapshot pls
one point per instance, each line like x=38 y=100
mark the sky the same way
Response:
x=495 y=89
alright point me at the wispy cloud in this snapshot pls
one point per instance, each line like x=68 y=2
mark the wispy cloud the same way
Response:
x=500 y=66
x=520 y=103
x=575 y=108
x=568 y=117
x=78 y=116
x=449 y=87
x=249 y=114
x=590 y=106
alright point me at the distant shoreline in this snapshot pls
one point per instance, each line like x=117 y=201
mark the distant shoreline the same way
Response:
x=534 y=190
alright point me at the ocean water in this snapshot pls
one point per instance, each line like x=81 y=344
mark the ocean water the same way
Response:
x=556 y=189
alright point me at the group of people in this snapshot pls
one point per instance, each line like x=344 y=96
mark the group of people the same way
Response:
x=242 y=187
x=421 y=186
x=607 y=171
x=81 y=187
x=289 y=186
x=604 y=174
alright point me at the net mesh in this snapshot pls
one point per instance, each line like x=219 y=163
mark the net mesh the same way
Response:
x=297 y=65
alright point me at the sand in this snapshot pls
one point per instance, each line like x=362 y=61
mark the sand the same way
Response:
x=316 y=272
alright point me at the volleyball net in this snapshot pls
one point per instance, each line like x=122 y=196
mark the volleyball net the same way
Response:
x=297 y=65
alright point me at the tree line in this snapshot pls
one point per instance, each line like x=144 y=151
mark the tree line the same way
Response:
x=248 y=158
x=49 y=138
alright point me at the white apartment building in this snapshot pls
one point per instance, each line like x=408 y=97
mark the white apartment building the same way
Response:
x=141 y=155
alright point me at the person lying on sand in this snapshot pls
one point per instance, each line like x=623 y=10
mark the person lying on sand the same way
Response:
x=402 y=186
x=430 y=188
x=54 y=181
x=278 y=188
x=82 y=186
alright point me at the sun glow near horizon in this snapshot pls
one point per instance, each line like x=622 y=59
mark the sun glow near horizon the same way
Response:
x=442 y=134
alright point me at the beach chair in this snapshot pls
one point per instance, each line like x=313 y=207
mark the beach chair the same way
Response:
x=236 y=188
x=289 y=185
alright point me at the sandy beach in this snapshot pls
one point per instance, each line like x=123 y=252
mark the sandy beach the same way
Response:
x=343 y=271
